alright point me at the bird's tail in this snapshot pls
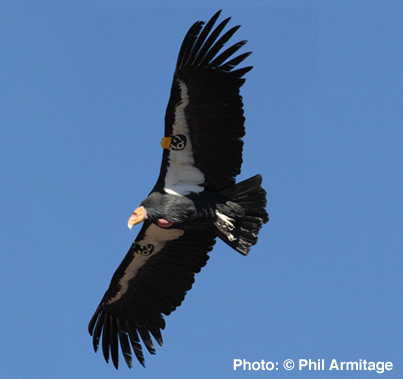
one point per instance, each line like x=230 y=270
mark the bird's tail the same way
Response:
x=241 y=216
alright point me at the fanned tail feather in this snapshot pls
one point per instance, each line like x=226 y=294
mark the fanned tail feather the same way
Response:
x=243 y=214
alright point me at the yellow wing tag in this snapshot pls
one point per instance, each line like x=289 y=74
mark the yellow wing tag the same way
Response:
x=166 y=142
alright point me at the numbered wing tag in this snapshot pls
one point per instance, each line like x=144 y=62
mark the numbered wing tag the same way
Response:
x=176 y=142
x=143 y=250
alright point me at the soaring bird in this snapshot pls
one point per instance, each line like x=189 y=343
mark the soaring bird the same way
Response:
x=194 y=200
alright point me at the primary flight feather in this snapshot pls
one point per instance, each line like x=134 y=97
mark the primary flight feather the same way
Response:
x=194 y=200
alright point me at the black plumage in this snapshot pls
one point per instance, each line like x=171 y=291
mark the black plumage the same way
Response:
x=194 y=200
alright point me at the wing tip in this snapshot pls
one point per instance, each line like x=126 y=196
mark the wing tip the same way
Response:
x=202 y=45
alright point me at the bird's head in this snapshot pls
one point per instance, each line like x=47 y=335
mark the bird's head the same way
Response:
x=139 y=215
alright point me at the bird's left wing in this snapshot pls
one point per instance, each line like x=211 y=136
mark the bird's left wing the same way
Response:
x=152 y=280
x=204 y=121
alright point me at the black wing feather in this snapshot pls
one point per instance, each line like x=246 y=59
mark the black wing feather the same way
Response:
x=227 y=53
x=188 y=42
x=133 y=336
x=218 y=45
x=199 y=41
x=114 y=341
x=106 y=337
x=124 y=342
x=202 y=54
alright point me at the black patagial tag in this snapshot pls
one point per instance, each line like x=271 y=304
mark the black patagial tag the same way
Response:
x=143 y=250
x=178 y=142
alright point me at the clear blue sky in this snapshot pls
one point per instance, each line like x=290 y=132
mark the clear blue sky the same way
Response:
x=84 y=86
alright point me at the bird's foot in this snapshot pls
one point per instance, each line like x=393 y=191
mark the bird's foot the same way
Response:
x=225 y=222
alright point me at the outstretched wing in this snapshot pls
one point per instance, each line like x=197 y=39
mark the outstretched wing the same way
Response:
x=204 y=122
x=152 y=280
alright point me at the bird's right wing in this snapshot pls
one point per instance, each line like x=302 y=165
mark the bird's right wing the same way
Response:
x=152 y=280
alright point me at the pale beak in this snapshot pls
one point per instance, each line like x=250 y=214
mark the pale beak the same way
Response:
x=139 y=215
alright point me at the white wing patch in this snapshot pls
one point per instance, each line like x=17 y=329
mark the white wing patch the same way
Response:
x=182 y=176
x=153 y=242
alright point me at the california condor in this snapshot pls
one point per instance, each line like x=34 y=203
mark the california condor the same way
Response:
x=194 y=200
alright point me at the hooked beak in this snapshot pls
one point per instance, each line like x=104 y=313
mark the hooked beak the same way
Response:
x=139 y=215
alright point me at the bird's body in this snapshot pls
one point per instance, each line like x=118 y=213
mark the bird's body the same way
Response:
x=183 y=211
x=195 y=199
